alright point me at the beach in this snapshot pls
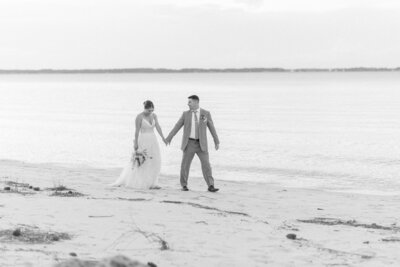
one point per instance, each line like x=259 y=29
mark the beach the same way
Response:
x=299 y=166
x=245 y=224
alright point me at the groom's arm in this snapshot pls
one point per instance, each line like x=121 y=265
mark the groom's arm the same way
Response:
x=176 y=129
x=211 y=127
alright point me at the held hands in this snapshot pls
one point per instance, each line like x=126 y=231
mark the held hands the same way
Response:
x=166 y=141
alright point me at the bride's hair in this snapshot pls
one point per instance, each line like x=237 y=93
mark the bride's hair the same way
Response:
x=148 y=104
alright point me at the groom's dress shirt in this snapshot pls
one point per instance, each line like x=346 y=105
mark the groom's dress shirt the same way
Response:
x=193 y=134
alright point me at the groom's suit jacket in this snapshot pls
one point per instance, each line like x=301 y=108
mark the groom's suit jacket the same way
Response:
x=185 y=121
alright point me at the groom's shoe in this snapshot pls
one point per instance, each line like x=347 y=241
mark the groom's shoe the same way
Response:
x=211 y=188
x=184 y=188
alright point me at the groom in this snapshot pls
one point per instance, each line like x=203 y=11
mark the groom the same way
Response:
x=194 y=141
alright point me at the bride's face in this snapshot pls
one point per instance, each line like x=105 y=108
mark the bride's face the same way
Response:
x=148 y=111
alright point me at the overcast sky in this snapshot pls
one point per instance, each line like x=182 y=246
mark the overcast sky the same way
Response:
x=198 y=33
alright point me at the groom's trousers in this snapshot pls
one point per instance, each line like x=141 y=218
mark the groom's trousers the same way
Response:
x=192 y=148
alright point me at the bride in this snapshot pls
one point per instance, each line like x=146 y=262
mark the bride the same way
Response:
x=142 y=172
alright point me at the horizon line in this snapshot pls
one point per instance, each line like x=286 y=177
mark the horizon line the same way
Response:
x=193 y=70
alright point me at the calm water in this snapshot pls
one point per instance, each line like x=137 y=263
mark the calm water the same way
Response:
x=333 y=131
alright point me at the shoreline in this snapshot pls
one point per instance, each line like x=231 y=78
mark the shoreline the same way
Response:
x=194 y=70
x=116 y=171
x=243 y=224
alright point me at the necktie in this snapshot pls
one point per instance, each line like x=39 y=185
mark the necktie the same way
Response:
x=196 y=125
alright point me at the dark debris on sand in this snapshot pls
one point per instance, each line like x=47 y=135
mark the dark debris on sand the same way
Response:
x=353 y=223
x=69 y=193
x=116 y=261
x=12 y=186
x=59 y=188
x=391 y=239
x=31 y=235
x=206 y=207
x=63 y=191
x=15 y=187
x=16 y=184
x=153 y=237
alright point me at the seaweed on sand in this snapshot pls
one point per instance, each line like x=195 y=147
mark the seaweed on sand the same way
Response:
x=353 y=223
x=31 y=235
x=69 y=193
x=63 y=191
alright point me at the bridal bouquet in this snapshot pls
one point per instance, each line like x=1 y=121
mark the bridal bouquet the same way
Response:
x=139 y=157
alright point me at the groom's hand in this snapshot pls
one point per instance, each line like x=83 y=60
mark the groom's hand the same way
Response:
x=167 y=141
x=216 y=146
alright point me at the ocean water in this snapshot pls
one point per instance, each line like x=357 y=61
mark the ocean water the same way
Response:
x=330 y=131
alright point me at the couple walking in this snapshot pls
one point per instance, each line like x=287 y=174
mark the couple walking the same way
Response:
x=143 y=171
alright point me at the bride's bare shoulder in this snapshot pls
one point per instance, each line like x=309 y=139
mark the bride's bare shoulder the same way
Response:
x=139 y=116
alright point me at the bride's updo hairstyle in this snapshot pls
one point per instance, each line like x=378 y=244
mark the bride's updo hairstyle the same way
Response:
x=148 y=104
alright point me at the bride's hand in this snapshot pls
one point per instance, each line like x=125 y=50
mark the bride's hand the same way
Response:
x=136 y=147
x=165 y=141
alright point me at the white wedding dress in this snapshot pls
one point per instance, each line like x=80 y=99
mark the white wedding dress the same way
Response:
x=144 y=176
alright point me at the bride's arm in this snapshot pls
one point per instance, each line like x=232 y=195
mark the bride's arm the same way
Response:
x=158 y=127
x=137 y=129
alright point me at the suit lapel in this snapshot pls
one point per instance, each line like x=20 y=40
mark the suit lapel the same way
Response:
x=188 y=127
x=189 y=118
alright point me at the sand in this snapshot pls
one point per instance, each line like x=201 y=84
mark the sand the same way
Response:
x=245 y=224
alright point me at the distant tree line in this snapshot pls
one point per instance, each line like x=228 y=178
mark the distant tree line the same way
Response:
x=192 y=70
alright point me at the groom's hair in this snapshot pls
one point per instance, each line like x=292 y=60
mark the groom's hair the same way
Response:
x=194 y=97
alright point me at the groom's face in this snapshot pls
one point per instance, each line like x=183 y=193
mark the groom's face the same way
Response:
x=193 y=104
